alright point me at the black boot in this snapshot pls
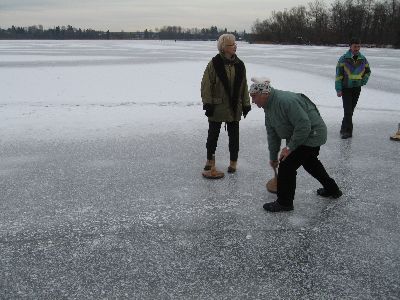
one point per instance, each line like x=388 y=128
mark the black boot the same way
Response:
x=324 y=193
x=276 y=207
x=346 y=135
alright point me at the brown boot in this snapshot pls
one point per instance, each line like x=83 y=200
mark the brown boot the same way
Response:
x=232 y=166
x=212 y=172
x=209 y=164
x=396 y=136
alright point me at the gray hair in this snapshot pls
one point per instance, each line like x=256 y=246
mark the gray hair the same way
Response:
x=225 y=39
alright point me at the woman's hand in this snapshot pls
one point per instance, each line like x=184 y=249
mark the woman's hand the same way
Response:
x=246 y=110
x=209 y=108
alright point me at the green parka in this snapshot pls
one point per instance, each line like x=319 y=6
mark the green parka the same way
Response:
x=295 y=118
x=227 y=106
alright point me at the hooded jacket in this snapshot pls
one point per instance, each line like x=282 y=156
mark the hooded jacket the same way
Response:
x=224 y=86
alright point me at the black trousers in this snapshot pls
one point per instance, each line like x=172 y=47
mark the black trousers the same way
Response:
x=213 y=134
x=308 y=158
x=350 y=98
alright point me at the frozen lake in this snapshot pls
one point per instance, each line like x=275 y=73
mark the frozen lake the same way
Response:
x=105 y=85
x=102 y=144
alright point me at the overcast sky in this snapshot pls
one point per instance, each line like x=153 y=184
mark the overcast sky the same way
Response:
x=133 y=15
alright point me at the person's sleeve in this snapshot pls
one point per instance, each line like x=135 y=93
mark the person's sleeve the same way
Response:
x=367 y=73
x=245 y=96
x=301 y=123
x=339 y=75
x=206 y=85
x=274 y=141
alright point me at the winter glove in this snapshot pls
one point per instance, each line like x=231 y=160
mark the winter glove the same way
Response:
x=246 y=110
x=209 y=108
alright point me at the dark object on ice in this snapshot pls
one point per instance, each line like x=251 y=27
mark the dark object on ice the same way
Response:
x=276 y=207
x=324 y=193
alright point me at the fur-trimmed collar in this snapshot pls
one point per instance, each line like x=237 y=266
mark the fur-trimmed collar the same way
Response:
x=219 y=62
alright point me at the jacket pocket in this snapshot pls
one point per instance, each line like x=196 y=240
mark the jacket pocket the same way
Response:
x=217 y=100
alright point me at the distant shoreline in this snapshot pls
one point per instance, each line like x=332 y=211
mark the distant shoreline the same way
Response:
x=209 y=40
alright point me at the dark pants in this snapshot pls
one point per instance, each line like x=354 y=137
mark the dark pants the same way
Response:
x=308 y=158
x=213 y=134
x=350 y=98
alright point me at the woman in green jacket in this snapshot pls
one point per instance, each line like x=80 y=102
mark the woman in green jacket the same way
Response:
x=225 y=97
x=296 y=119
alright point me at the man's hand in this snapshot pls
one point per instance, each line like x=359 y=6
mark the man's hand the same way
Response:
x=274 y=163
x=339 y=94
x=284 y=153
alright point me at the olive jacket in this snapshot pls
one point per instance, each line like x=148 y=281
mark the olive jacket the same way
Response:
x=224 y=87
x=293 y=117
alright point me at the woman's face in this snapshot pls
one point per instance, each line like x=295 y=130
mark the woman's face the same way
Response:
x=230 y=48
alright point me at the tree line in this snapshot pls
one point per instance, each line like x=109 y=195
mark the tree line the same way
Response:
x=373 y=21
x=69 y=33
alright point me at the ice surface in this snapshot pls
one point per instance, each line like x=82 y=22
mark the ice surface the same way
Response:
x=65 y=88
x=102 y=145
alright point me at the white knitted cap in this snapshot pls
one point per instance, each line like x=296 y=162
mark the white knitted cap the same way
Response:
x=261 y=85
